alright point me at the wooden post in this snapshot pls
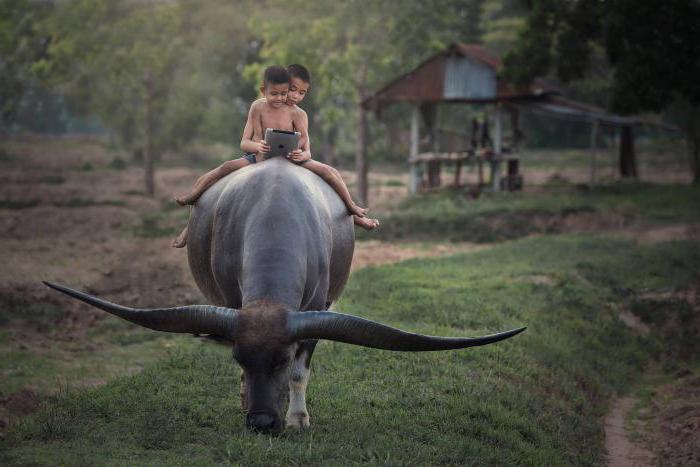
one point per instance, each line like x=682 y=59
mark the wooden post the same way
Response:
x=458 y=170
x=149 y=93
x=434 y=174
x=497 y=145
x=480 y=162
x=361 y=167
x=628 y=160
x=415 y=133
x=594 y=136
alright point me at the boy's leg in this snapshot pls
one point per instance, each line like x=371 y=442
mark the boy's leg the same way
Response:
x=333 y=178
x=209 y=178
x=181 y=240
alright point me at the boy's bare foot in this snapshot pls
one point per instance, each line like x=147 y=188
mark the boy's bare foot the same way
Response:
x=181 y=240
x=366 y=223
x=184 y=200
x=358 y=211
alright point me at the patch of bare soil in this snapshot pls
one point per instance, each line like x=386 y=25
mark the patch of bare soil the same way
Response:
x=677 y=414
x=374 y=253
x=672 y=428
x=650 y=234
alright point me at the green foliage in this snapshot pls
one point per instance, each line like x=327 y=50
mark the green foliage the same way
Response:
x=21 y=43
x=113 y=58
x=501 y=21
x=534 y=400
x=652 y=47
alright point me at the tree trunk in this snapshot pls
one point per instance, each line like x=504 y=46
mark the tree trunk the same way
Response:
x=361 y=154
x=694 y=144
x=628 y=158
x=148 y=134
x=329 y=154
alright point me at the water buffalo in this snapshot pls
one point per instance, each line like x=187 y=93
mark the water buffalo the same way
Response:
x=266 y=244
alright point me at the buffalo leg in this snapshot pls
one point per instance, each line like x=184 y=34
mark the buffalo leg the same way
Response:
x=297 y=415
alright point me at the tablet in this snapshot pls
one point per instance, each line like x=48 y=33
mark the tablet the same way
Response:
x=281 y=142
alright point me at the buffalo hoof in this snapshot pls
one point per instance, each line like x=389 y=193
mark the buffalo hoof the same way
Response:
x=297 y=420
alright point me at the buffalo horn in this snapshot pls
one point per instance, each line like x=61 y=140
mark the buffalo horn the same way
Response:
x=353 y=330
x=192 y=319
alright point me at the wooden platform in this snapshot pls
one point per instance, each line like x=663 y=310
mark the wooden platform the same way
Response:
x=434 y=160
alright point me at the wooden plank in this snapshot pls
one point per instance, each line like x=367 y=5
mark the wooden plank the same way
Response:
x=416 y=174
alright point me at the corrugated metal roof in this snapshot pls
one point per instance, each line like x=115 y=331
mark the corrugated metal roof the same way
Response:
x=466 y=81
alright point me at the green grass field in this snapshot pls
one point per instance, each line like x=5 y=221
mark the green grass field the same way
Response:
x=447 y=215
x=536 y=399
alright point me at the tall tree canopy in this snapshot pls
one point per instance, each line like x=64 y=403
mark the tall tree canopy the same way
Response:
x=653 y=47
x=354 y=47
x=157 y=74
x=21 y=44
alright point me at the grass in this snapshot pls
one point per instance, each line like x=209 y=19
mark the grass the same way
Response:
x=453 y=216
x=53 y=179
x=23 y=204
x=651 y=154
x=83 y=203
x=165 y=222
x=45 y=361
x=534 y=400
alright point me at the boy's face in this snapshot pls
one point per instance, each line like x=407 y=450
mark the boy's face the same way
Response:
x=276 y=94
x=297 y=90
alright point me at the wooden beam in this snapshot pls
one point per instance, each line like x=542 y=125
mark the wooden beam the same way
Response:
x=594 y=136
x=416 y=169
x=497 y=148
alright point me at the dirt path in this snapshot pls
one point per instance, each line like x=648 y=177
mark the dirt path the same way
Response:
x=622 y=450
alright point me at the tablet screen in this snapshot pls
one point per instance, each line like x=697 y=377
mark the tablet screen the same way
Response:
x=281 y=142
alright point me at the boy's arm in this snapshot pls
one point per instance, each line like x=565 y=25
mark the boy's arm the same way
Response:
x=301 y=123
x=248 y=144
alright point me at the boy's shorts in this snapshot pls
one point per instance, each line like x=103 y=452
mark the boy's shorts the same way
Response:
x=250 y=158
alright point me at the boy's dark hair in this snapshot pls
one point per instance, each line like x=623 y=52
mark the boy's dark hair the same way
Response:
x=299 y=71
x=275 y=74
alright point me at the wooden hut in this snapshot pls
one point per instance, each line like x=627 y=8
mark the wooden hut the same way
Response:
x=468 y=74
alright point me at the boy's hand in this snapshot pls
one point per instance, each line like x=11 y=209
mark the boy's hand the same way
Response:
x=299 y=156
x=263 y=147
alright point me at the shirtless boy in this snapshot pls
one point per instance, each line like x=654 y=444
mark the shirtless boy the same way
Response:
x=282 y=90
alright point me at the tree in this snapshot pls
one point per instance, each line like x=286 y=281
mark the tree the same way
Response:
x=653 y=48
x=500 y=21
x=21 y=44
x=115 y=59
x=157 y=74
